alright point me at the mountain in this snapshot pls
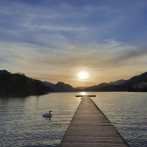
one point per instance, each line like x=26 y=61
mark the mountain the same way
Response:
x=93 y=88
x=137 y=80
x=19 y=85
x=60 y=87
x=133 y=84
x=136 y=83
x=4 y=72
x=140 y=87
x=50 y=85
x=104 y=86
x=119 y=82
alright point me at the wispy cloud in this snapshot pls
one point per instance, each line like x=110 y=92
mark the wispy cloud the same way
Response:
x=55 y=65
x=132 y=54
x=54 y=28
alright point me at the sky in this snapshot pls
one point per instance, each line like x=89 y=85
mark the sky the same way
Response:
x=53 y=40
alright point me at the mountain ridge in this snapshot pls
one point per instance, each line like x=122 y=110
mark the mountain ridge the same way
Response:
x=128 y=85
x=19 y=85
x=136 y=83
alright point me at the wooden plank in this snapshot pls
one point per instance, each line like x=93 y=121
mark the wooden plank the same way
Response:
x=90 y=128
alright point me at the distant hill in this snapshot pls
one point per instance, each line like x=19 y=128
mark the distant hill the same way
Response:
x=136 y=83
x=50 y=85
x=93 y=88
x=102 y=86
x=138 y=80
x=119 y=82
x=19 y=85
x=60 y=87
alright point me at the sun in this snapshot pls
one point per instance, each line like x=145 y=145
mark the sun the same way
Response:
x=83 y=75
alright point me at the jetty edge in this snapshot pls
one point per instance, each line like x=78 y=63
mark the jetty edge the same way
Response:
x=89 y=127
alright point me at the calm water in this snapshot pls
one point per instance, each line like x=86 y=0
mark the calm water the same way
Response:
x=22 y=124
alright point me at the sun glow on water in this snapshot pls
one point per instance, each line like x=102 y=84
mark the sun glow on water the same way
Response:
x=83 y=93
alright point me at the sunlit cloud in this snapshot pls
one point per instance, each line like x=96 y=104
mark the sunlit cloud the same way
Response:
x=55 y=65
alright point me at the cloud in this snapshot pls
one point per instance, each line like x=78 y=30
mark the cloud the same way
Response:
x=84 y=21
x=132 y=54
x=92 y=56
x=54 y=28
x=63 y=64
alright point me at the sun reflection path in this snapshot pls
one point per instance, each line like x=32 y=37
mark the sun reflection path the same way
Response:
x=83 y=93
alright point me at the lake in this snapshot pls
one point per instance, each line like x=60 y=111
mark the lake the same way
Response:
x=22 y=124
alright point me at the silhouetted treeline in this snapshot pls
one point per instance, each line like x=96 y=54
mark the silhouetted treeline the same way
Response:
x=20 y=85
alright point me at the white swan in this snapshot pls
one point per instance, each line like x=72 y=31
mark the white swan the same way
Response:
x=47 y=114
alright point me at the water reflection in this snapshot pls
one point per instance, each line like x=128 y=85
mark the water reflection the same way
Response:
x=127 y=113
x=22 y=124
x=83 y=93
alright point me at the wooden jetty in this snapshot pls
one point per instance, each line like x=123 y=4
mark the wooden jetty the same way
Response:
x=86 y=95
x=90 y=128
